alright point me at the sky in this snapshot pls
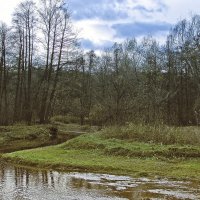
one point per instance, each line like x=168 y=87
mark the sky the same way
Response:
x=100 y=23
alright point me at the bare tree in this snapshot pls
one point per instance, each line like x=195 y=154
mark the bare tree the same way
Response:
x=3 y=74
x=58 y=39
x=24 y=23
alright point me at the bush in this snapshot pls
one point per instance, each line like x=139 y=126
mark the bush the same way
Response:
x=155 y=134
x=98 y=114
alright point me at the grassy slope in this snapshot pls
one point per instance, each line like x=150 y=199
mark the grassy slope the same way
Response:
x=100 y=152
x=19 y=137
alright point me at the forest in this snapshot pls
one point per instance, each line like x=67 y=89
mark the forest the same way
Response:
x=45 y=73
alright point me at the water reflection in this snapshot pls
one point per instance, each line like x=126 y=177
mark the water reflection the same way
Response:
x=19 y=184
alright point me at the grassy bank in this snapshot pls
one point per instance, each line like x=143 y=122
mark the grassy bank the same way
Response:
x=114 y=151
x=18 y=137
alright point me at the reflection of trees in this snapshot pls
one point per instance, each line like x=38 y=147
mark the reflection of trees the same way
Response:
x=21 y=177
x=27 y=178
x=44 y=177
x=52 y=179
x=24 y=177
x=48 y=178
x=2 y=179
x=2 y=174
x=22 y=180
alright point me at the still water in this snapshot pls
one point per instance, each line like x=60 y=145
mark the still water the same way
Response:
x=18 y=183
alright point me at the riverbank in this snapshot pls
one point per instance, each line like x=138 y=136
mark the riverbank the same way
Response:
x=118 y=152
x=20 y=137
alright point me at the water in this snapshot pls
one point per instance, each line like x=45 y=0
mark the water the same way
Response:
x=24 y=184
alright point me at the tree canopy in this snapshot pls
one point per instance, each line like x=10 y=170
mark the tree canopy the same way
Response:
x=44 y=72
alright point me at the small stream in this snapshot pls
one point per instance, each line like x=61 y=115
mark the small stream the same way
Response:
x=18 y=183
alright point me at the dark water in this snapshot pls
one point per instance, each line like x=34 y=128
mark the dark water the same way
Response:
x=25 y=184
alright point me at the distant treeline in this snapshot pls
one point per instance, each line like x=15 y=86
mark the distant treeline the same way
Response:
x=44 y=73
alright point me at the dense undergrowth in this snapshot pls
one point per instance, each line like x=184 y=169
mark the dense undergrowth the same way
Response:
x=165 y=135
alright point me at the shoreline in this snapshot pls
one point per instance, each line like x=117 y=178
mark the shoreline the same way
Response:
x=110 y=151
x=172 y=169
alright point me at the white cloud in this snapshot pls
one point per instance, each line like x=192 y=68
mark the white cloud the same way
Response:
x=6 y=10
x=149 y=11
x=95 y=30
x=100 y=30
x=179 y=9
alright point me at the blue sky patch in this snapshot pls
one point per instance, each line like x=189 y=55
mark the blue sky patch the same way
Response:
x=139 y=28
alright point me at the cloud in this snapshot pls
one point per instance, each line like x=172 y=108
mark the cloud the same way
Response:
x=143 y=9
x=6 y=10
x=102 y=9
x=139 y=28
x=89 y=44
x=103 y=22
x=179 y=9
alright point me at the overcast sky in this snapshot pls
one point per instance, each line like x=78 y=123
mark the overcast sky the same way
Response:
x=102 y=22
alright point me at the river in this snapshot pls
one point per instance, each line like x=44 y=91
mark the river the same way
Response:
x=18 y=183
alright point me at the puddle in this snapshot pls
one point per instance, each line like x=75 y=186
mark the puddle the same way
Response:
x=25 y=184
x=129 y=188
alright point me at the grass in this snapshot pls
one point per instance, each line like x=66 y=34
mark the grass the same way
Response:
x=155 y=134
x=87 y=160
x=120 y=153
x=117 y=147
x=20 y=136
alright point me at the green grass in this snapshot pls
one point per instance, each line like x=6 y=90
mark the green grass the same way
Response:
x=93 y=160
x=20 y=136
x=126 y=148
x=107 y=151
